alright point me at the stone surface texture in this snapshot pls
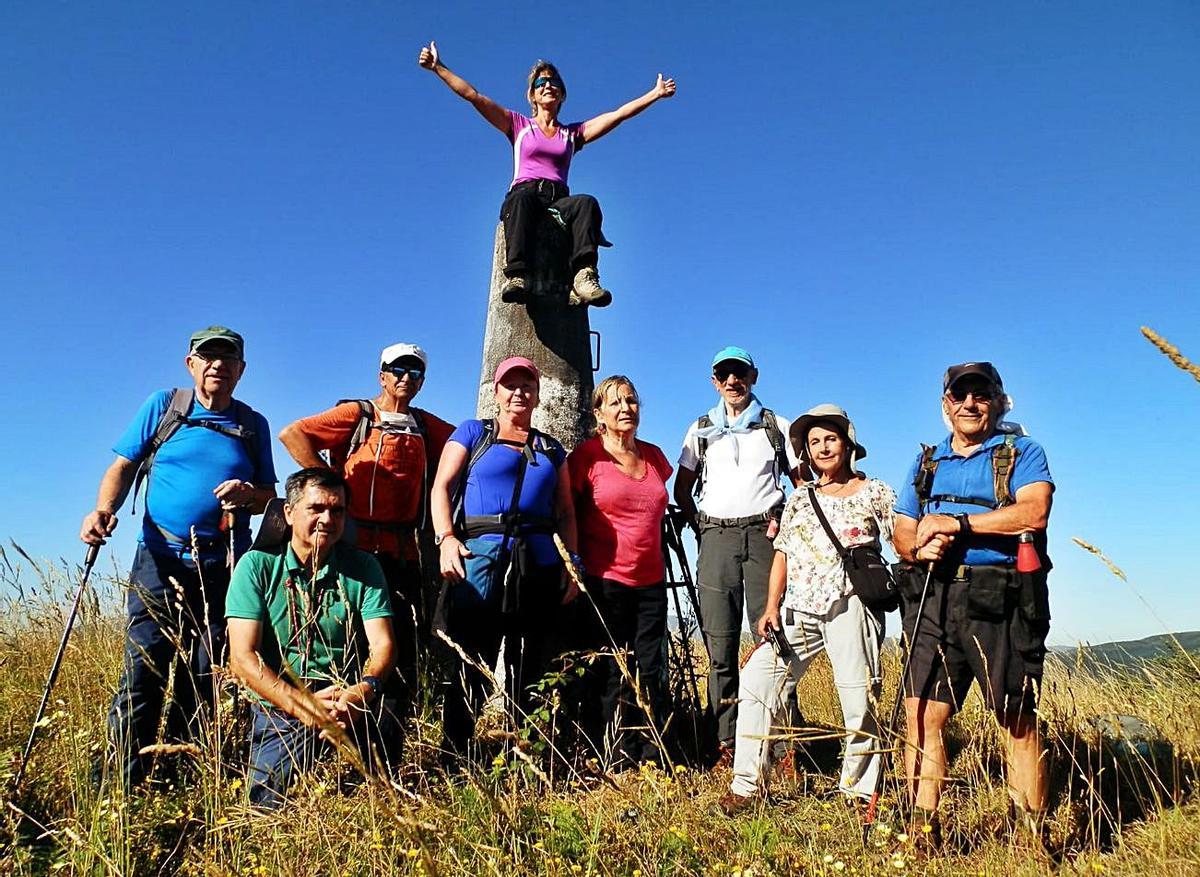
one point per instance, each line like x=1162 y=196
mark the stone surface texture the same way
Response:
x=549 y=331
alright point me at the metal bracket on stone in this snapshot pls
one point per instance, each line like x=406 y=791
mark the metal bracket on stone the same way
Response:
x=550 y=331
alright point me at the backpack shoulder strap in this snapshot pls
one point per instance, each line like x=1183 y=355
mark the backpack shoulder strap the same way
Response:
x=1003 y=458
x=923 y=481
x=169 y=422
x=704 y=422
x=771 y=425
x=366 y=416
x=486 y=440
x=248 y=424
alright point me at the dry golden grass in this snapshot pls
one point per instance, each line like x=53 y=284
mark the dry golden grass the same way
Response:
x=1113 y=814
x=1172 y=352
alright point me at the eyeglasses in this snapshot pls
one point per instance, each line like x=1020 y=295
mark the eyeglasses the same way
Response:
x=401 y=372
x=211 y=356
x=543 y=81
x=959 y=395
x=722 y=373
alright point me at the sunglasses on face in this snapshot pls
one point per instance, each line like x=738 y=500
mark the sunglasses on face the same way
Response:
x=958 y=395
x=211 y=356
x=543 y=81
x=722 y=373
x=401 y=372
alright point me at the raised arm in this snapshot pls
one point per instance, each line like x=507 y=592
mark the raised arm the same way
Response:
x=488 y=108
x=594 y=129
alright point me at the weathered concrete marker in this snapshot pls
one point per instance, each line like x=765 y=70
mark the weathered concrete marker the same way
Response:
x=549 y=331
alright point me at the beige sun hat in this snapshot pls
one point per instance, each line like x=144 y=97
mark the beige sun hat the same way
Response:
x=825 y=413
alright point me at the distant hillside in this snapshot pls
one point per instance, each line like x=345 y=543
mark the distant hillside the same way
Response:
x=1133 y=651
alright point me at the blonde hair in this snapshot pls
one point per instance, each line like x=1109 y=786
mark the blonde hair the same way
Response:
x=550 y=69
x=598 y=394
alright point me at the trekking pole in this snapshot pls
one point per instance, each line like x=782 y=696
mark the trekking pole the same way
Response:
x=675 y=541
x=890 y=731
x=685 y=644
x=89 y=561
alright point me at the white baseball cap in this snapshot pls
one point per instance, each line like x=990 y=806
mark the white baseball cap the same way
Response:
x=396 y=351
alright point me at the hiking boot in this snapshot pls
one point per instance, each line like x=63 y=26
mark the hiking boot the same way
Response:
x=724 y=755
x=514 y=291
x=731 y=803
x=588 y=290
x=786 y=768
x=925 y=831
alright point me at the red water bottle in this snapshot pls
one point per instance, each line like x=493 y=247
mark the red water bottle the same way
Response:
x=1027 y=554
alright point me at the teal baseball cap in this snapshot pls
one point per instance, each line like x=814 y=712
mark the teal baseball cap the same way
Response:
x=736 y=353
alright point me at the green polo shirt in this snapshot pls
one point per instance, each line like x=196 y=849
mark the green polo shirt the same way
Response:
x=314 y=624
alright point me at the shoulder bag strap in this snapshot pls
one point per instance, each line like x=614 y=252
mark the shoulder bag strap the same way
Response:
x=812 y=498
x=510 y=517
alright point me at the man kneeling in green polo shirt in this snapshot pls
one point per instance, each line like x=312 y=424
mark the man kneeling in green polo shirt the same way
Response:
x=320 y=608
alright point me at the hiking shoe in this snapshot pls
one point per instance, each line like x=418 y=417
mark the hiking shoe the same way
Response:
x=514 y=291
x=724 y=755
x=588 y=290
x=786 y=768
x=731 y=803
x=925 y=831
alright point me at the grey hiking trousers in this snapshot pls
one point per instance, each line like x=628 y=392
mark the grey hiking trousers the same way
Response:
x=733 y=568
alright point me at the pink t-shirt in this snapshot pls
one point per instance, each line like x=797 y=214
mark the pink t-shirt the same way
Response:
x=538 y=157
x=619 y=517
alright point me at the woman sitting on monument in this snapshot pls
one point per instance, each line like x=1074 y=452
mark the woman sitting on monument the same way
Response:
x=542 y=151
x=501 y=492
x=619 y=483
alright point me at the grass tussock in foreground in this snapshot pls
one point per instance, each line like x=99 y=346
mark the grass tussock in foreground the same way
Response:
x=1119 y=806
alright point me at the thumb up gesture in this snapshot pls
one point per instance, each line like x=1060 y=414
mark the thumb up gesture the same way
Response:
x=664 y=87
x=429 y=57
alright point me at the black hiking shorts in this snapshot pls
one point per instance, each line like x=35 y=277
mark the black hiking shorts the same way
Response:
x=980 y=623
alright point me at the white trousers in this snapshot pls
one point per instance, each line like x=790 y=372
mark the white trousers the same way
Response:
x=852 y=637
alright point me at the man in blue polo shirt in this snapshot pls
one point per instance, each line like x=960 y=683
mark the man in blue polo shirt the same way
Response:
x=205 y=459
x=960 y=512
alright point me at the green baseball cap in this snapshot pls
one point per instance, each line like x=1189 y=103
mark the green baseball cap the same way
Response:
x=217 y=333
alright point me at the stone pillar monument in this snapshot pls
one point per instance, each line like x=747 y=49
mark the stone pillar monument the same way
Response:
x=548 y=330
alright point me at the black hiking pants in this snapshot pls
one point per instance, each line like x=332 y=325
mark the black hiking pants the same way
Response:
x=522 y=211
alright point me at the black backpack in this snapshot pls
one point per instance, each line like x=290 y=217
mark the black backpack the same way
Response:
x=774 y=434
x=176 y=417
x=538 y=441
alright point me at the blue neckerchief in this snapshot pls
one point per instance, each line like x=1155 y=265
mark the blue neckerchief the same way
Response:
x=744 y=422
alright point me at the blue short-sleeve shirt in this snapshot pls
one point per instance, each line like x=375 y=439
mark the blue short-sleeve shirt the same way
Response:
x=972 y=476
x=189 y=465
x=490 y=484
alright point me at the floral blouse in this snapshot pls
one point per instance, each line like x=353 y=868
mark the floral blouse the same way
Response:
x=815 y=576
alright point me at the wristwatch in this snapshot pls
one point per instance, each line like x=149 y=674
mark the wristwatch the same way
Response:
x=372 y=682
x=964 y=525
x=439 y=538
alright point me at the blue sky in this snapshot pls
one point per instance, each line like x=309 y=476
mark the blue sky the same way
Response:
x=858 y=193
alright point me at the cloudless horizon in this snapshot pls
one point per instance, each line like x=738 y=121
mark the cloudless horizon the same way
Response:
x=860 y=194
